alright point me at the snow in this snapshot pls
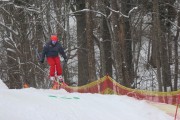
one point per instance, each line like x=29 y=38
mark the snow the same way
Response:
x=2 y=85
x=5 y=0
x=44 y=104
x=12 y=50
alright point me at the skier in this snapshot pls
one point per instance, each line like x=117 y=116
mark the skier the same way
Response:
x=51 y=51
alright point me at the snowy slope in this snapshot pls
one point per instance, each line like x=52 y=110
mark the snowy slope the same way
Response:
x=2 y=85
x=38 y=104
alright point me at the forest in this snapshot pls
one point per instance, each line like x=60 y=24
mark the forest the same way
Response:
x=136 y=42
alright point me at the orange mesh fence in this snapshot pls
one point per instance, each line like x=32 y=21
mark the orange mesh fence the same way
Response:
x=107 y=85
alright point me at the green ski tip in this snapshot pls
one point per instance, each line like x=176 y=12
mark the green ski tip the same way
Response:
x=64 y=97
x=76 y=97
x=52 y=96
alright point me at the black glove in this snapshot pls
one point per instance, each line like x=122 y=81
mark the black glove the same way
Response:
x=65 y=60
x=41 y=61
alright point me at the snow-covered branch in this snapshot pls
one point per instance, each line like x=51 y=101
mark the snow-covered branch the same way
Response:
x=173 y=23
x=14 y=45
x=133 y=9
x=119 y=12
x=59 y=23
x=11 y=50
x=8 y=28
x=88 y=10
x=28 y=9
x=33 y=8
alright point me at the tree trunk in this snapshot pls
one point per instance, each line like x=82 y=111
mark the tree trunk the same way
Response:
x=83 y=73
x=127 y=44
x=106 y=44
x=116 y=47
x=176 y=71
x=157 y=39
x=13 y=79
x=90 y=42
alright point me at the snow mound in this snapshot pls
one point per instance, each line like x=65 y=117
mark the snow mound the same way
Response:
x=3 y=85
x=41 y=104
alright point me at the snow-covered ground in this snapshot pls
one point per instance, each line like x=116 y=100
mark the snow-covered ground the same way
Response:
x=40 y=104
x=2 y=85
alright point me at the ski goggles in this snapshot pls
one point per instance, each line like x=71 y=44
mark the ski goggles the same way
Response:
x=54 y=42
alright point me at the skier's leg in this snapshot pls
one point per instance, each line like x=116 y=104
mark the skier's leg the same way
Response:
x=51 y=63
x=58 y=66
x=59 y=69
x=53 y=84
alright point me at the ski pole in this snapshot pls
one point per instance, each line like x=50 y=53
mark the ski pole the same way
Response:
x=37 y=54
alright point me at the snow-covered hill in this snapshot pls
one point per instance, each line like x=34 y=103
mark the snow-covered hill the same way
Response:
x=40 y=104
x=2 y=85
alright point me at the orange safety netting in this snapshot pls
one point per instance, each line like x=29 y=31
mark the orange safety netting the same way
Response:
x=107 y=85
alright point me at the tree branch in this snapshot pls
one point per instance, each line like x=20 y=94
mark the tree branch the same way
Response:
x=9 y=29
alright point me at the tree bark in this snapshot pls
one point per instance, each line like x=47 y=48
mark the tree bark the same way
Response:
x=127 y=44
x=90 y=42
x=116 y=46
x=83 y=73
x=106 y=44
x=157 y=39
x=176 y=69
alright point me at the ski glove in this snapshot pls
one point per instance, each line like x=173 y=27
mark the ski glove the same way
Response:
x=41 y=61
x=65 y=60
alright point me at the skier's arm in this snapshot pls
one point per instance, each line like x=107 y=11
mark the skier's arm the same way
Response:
x=61 y=51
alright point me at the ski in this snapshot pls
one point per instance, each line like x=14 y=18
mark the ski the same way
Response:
x=56 y=85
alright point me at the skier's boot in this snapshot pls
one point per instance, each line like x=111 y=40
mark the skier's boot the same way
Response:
x=61 y=81
x=52 y=82
x=60 y=78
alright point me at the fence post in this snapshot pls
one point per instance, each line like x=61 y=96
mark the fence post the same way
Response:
x=177 y=106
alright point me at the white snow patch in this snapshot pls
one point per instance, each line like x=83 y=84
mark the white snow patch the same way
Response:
x=2 y=85
x=40 y=104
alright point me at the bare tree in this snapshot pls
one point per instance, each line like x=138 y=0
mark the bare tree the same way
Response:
x=83 y=73
x=106 y=50
x=116 y=47
x=90 y=42
x=176 y=71
x=132 y=40
x=157 y=38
